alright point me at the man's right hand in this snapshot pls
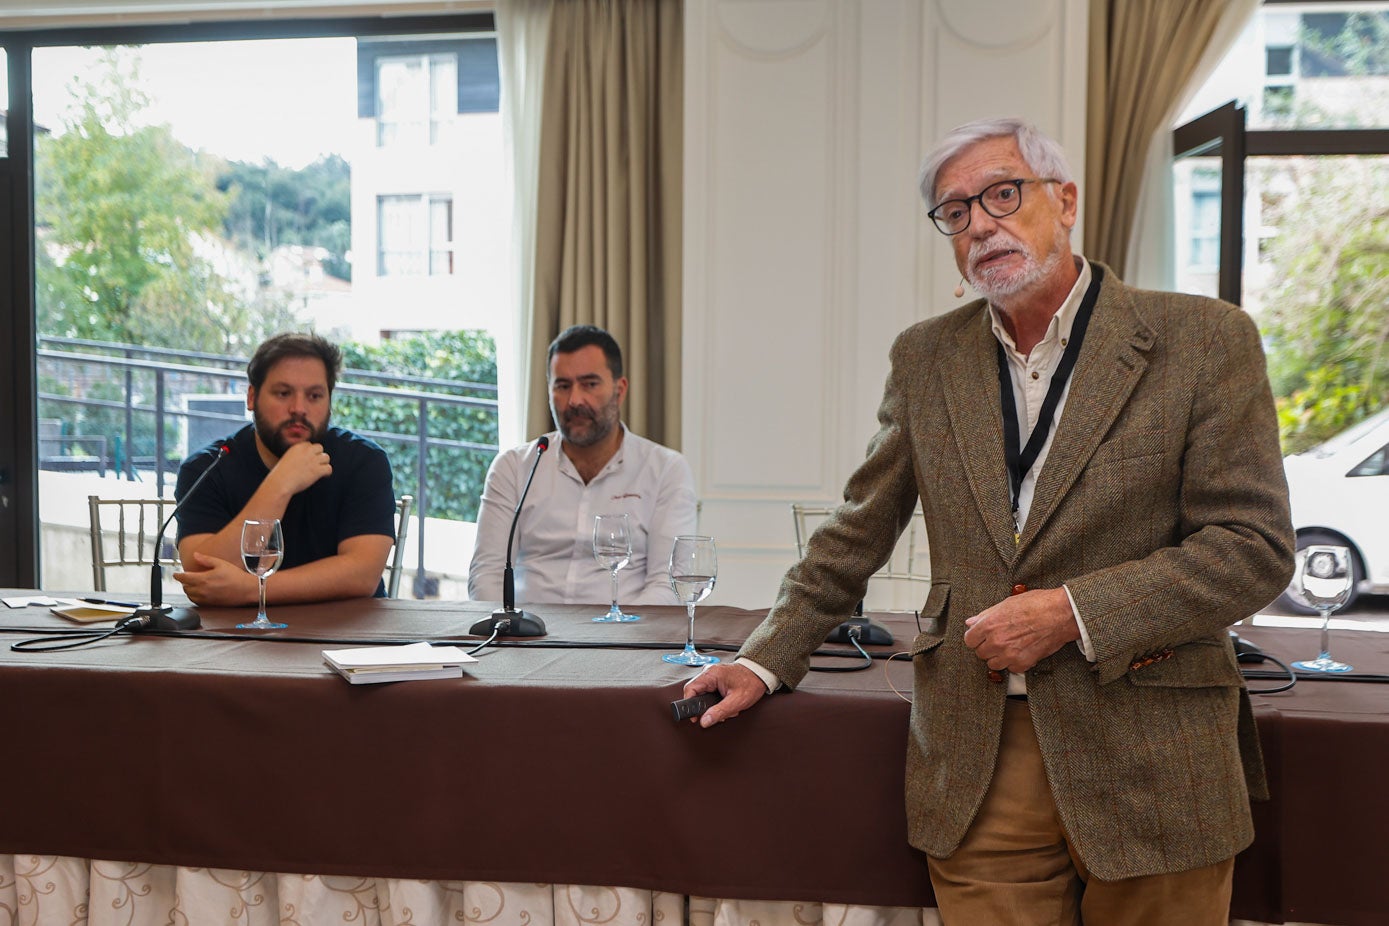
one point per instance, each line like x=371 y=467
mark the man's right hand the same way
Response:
x=739 y=686
x=301 y=466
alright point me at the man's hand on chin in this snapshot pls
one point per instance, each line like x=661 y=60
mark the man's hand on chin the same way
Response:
x=301 y=466
x=219 y=583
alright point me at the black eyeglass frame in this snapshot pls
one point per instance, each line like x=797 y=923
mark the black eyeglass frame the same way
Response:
x=969 y=202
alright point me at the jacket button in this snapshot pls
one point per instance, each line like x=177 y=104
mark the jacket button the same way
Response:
x=1019 y=589
x=995 y=676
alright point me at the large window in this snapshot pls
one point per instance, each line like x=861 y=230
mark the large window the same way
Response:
x=178 y=222
x=1299 y=166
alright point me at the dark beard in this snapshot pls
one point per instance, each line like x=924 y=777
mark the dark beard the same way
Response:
x=604 y=421
x=275 y=441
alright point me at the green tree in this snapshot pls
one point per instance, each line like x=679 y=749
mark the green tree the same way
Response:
x=1327 y=321
x=120 y=209
x=129 y=226
x=457 y=359
x=273 y=205
x=1345 y=43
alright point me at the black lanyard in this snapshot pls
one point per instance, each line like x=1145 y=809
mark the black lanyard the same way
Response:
x=1020 y=461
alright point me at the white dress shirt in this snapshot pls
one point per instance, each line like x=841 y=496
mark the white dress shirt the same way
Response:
x=1031 y=376
x=553 y=548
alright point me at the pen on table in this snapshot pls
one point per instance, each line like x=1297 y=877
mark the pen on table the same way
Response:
x=119 y=604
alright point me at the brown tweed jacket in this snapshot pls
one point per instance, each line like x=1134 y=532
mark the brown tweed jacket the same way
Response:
x=1161 y=505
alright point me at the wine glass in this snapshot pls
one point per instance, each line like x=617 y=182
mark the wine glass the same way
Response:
x=694 y=565
x=612 y=547
x=1325 y=575
x=262 y=550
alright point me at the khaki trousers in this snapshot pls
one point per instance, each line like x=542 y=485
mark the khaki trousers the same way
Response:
x=1016 y=866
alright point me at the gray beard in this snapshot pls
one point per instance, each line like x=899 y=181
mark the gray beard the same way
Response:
x=999 y=291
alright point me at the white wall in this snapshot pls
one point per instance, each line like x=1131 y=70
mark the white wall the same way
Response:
x=806 y=247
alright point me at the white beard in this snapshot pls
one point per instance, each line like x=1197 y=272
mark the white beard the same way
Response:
x=998 y=284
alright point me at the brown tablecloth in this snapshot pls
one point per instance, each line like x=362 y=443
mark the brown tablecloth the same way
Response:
x=554 y=760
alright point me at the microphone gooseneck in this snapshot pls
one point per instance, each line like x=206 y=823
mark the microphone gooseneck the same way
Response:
x=507 y=621
x=157 y=616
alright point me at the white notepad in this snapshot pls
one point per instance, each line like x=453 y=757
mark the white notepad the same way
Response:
x=399 y=663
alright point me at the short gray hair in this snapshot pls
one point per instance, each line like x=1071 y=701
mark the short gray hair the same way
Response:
x=1041 y=152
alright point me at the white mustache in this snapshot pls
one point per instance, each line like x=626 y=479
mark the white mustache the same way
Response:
x=993 y=243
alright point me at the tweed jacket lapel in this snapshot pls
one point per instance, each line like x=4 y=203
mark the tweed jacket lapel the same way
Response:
x=976 y=421
x=1112 y=360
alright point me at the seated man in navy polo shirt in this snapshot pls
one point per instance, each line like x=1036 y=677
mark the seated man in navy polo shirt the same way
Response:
x=330 y=489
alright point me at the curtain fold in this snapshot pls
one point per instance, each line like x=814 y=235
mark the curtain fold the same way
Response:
x=608 y=212
x=523 y=34
x=1145 y=58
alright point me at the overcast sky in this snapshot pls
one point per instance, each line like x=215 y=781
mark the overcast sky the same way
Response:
x=289 y=99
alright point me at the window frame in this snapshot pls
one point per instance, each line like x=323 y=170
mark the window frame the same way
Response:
x=428 y=248
x=433 y=118
x=19 y=506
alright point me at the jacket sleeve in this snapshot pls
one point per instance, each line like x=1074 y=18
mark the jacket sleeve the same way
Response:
x=1236 y=548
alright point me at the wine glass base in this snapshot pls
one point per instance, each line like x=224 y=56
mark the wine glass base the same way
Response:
x=621 y=617
x=261 y=625
x=689 y=658
x=1322 y=664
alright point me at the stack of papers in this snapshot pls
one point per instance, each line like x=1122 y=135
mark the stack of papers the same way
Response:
x=369 y=664
x=25 y=601
x=89 y=611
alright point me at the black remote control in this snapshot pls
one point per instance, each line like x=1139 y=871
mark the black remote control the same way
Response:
x=686 y=708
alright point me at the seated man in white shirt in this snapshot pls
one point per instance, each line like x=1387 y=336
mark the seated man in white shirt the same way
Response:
x=594 y=466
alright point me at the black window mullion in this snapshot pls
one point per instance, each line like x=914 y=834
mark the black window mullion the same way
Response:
x=19 y=523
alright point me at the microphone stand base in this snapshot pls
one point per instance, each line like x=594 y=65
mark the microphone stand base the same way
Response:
x=867 y=632
x=170 y=619
x=520 y=624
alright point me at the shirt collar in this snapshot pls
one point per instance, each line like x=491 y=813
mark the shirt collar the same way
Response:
x=1059 y=328
x=566 y=465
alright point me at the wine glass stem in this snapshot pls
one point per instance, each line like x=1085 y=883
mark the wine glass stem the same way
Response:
x=1325 y=633
x=261 y=615
x=689 y=638
x=615 y=608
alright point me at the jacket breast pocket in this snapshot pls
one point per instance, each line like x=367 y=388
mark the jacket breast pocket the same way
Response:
x=1130 y=445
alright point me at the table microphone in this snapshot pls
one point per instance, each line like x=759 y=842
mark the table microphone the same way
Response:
x=507 y=621
x=159 y=616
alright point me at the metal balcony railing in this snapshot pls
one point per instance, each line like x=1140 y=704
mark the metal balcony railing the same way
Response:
x=144 y=392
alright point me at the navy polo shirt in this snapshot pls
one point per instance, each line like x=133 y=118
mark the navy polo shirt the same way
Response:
x=358 y=498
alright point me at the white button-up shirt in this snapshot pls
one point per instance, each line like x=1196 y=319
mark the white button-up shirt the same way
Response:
x=553 y=547
x=1031 y=376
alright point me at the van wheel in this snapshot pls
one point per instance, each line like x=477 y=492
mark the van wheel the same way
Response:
x=1292 y=599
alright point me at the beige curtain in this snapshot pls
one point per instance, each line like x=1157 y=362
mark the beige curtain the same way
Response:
x=607 y=226
x=523 y=35
x=1144 y=55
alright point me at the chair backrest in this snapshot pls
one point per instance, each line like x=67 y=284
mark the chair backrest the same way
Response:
x=910 y=561
x=402 y=528
x=123 y=531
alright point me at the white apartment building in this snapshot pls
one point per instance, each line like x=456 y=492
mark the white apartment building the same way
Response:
x=429 y=191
